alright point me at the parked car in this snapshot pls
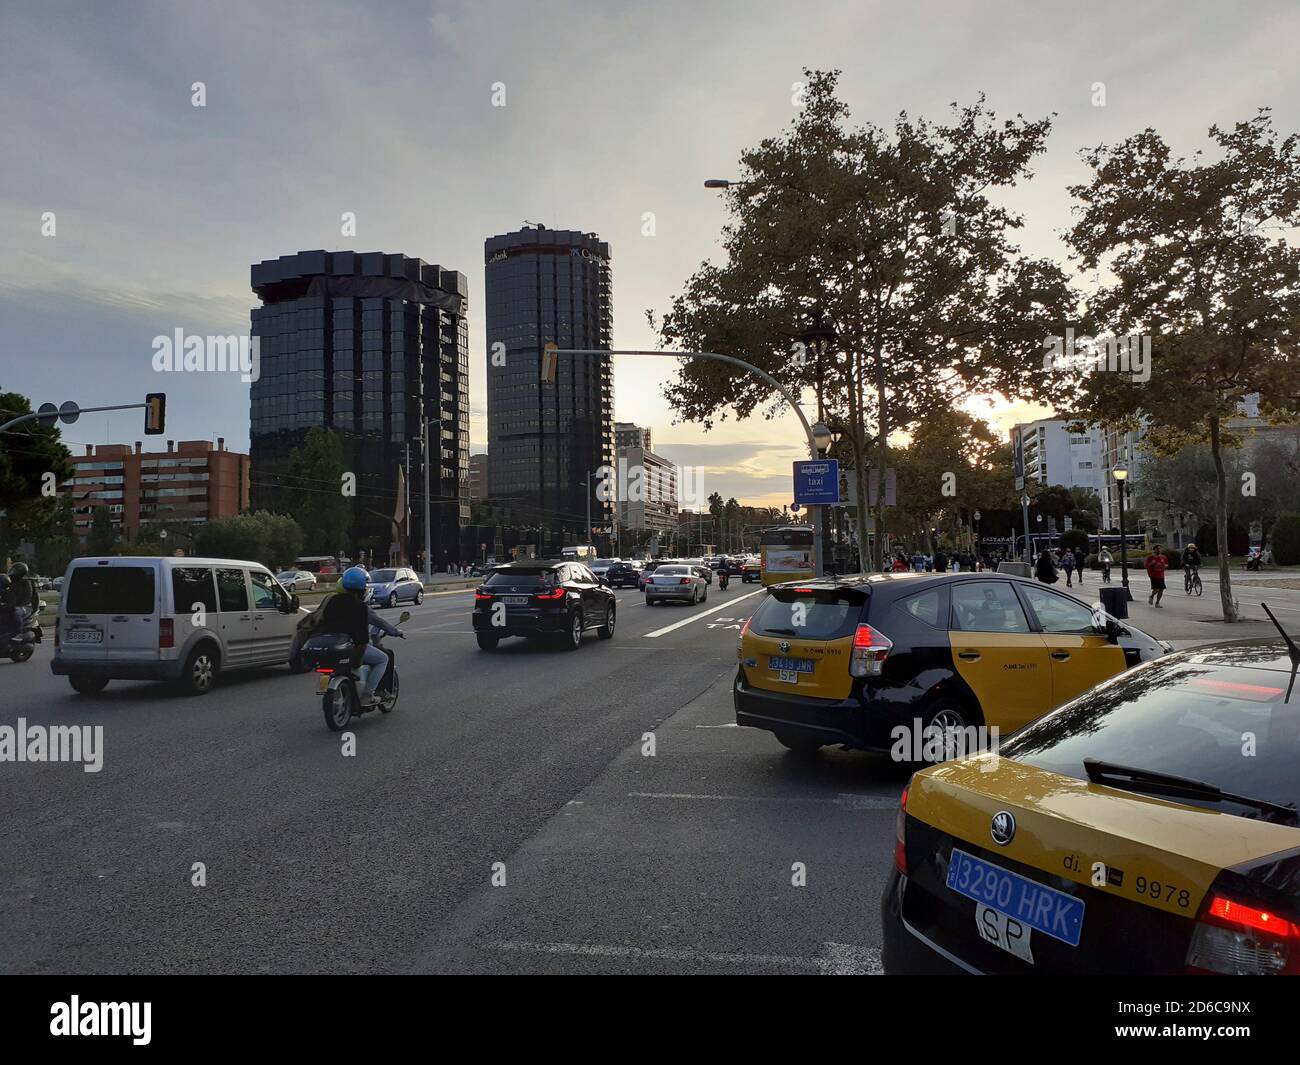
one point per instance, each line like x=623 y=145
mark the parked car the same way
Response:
x=539 y=599
x=676 y=581
x=185 y=620
x=388 y=587
x=297 y=580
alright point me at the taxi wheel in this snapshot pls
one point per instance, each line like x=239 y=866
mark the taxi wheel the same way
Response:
x=949 y=713
x=804 y=745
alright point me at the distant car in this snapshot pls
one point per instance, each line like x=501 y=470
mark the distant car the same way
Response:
x=622 y=575
x=296 y=580
x=543 y=599
x=601 y=565
x=678 y=581
x=388 y=587
x=702 y=567
x=751 y=570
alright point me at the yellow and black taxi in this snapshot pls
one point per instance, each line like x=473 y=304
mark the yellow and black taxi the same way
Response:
x=852 y=660
x=1148 y=826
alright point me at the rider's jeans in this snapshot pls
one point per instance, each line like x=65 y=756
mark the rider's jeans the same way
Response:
x=377 y=660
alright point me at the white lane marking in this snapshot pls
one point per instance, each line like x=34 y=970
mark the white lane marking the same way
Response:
x=845 y=799
x=729 y=724
x=839 y=959
x=701 y=614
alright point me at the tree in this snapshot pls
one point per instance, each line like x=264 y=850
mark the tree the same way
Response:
x=894 y=235
x=313 y=492
x=103 y=537
x=272 y=539
x=1286 y=539
x=284 y=539
x=1086 y=513
x=33 y=463
x=1202 y=268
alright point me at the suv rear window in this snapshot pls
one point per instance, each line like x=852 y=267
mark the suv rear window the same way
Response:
x=825 y=614
x=521 y=578
x=1190 y=720
x=111 y=590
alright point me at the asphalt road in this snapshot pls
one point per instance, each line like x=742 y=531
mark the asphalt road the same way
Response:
x=612 y=859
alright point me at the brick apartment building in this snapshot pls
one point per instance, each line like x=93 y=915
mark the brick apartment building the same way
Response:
x=190 y=483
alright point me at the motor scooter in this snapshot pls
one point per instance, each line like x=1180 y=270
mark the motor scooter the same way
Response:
x=335 y=659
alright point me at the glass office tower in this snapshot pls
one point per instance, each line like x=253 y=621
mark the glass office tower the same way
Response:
x=366 y=344
x=545 y=440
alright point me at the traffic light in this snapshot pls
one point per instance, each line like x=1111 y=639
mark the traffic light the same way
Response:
x=550 y=363
x=155 y=413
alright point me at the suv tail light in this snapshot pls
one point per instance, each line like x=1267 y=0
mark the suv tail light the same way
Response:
x=870 y=649
x=559 y=592
x=1242 y=938
x=480 y=596
x=900 y=835
x=166 y=633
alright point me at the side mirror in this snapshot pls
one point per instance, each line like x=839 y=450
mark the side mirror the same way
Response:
x=294 y=602
x=406 y=616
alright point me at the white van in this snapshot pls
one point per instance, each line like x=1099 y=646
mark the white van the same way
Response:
x=176 y=619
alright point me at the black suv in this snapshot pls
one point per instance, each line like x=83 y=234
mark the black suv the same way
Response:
x=623 y=575
x=539 y=598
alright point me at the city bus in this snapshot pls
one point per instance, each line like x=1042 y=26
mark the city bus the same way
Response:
x=787 y=554
x=584 y=553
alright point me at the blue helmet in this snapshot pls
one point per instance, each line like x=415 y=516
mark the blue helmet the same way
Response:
x=355 y=579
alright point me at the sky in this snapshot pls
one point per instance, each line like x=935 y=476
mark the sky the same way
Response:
x=612 y=110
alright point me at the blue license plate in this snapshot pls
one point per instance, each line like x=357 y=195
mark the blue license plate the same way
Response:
x=1052 y=912
x=791 y=665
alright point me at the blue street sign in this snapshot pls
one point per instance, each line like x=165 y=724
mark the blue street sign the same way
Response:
x=817 y=482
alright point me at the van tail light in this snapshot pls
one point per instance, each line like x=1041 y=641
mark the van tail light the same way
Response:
x=166 y=633
x=870 y=649
x=900 y=835
x=555 y=593
x=1243 y=938
x=740 y=643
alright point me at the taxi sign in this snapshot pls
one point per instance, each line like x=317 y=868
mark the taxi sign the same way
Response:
x=817 y=482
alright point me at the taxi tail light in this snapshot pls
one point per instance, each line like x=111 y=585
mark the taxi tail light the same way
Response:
x=554 y=593
x=870 y=649
x=166 y=633
x=900 y=835
x=1243 y=938
x=740 y=643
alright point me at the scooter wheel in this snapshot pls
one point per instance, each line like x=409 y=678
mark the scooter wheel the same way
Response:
x=388 y=700
x=338 y=705
x=22 y=653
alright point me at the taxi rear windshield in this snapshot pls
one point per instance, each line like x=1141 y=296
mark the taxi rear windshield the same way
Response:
x=1222 y=725
x=810 y=614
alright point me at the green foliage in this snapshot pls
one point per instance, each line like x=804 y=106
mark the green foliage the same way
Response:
x=313 y=495
x=272 y=539
x=1286 y=539
x=1075 y=538
x=103 y=536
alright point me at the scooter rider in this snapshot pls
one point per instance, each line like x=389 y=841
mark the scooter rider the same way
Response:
x=724 y=575
x=348 y=615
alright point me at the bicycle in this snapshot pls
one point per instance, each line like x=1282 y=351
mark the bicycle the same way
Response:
x=1192 y=581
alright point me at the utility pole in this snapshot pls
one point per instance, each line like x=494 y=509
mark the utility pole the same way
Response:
x=428 y=534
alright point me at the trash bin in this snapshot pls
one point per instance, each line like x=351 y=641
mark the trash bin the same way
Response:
x=1114 y=600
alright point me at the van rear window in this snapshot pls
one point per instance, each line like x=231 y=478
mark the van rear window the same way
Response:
x=111 y=590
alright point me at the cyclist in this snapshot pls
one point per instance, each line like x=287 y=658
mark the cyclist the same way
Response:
x=1191 y=566
x=1106 y=560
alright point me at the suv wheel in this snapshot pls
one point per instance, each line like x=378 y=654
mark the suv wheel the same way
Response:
x=606 y=631
x=486 y=642
x=574 y=638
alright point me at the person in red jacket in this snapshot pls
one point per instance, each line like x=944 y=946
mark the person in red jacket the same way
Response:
x=1156 y=564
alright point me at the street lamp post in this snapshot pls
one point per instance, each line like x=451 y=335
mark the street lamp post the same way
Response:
x=1120 y=473
x=818 y=338
x=1024 y=513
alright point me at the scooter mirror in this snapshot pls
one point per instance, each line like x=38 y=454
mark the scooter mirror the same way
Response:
x=406 y=616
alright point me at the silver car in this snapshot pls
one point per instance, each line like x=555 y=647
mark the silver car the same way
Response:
x=296 y=580
x=676 y=582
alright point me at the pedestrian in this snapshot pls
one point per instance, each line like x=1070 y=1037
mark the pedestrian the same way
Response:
x=1045 y=570
x=940 y=561
x=1106 y=561
x=1079 y=560
x=1155 y=565
x=1067 y=564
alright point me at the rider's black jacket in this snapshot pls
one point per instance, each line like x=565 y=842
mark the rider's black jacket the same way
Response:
x=345 y=613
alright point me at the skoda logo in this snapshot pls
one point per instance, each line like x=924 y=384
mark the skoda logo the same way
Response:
x=783 y=646
x=1003 y=828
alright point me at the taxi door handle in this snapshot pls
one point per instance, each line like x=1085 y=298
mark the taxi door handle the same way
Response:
x=1061 y=656
x=969 y=656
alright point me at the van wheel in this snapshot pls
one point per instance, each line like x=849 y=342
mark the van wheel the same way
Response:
x=804 y=745
x=200 y=671
x=486 y=642
x=84 y=685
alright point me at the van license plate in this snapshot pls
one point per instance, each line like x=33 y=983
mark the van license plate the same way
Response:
x=83 y=636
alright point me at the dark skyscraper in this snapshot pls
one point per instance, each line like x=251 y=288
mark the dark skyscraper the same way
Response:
x=545 y=439
x=363 y=344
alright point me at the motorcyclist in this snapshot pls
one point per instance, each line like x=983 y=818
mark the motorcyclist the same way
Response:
x=724 y=575
x=26 y=600
x=10 y=622
x=348 y=615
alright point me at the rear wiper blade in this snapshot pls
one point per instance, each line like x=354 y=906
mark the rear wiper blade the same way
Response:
x=1100 y=771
